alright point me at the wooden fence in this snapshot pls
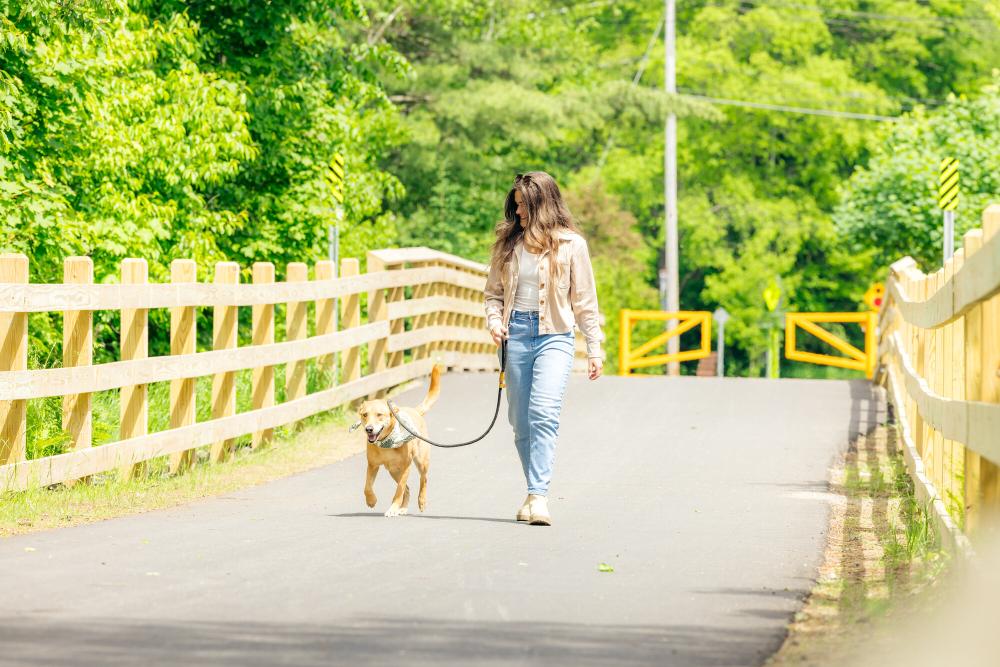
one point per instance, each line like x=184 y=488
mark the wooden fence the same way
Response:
x=939 y=357
x=442 y=321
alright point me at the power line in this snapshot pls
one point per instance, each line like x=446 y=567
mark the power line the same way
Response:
x=900 y=99
x=873 y=16
x=635 y=80
x=531 y=16
x=648 y=52
x=833 y=113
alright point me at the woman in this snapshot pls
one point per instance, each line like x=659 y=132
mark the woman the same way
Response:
x=540 y=282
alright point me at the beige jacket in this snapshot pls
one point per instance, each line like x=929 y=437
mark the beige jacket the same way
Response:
x=573 y=299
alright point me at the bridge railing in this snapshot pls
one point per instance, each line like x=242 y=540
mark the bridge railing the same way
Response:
x=939 y=356
x=423 y=307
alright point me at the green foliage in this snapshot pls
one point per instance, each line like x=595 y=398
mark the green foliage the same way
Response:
x=891 y=204
x=507 y=87
x=497 y=94
x=174 y=129
x=620 y=257
x=116 y=141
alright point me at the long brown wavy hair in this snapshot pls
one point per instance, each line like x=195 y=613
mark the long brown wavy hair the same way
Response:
x=547 y=216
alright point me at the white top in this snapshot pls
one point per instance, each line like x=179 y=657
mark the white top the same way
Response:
x=526 y=296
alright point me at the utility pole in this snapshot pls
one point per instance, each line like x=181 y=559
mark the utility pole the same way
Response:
x=670 y=254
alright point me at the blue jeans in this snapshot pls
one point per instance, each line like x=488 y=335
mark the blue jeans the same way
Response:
x=538 y=368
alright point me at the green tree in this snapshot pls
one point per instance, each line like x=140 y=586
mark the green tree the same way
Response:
x=174 y=129
x=312 y=74
x=890 y=205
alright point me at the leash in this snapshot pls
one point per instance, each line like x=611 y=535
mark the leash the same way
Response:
x=503 y=366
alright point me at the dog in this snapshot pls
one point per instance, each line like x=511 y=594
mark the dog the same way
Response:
x=391 y=446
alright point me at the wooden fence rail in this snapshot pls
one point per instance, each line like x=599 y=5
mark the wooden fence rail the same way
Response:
x=440 y=321
x=939 y=357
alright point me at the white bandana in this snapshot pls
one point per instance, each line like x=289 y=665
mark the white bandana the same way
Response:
x=398 y=436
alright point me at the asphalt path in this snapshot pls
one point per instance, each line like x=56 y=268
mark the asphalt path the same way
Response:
x=707 y=497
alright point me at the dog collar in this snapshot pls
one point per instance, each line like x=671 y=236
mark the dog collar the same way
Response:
x=398 y=436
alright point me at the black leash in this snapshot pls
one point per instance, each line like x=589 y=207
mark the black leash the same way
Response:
x=503 y=366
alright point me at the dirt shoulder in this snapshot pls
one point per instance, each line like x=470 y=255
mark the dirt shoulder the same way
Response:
x=882 y=562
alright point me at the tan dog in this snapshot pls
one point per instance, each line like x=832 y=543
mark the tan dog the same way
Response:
x=391 y=446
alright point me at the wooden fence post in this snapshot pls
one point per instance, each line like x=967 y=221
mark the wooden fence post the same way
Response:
x=971 y=243
x=397 y=326
x=262 y=378
x=183 y=335
x=377 y=311
x=450 y=318
x=957 y=364
x=133 y=405
x=940 y=371
x=945 y=390
x=930 y=357
x=13 y=357
x=917 y=333
x=920 y=433
x=224 y=321
x=989 y=471
x=296 y=321
x=350 y=317
x=78 y=350
x=465 y=321
x=324 y=317
x=422 y=291
x=435 y=289
x=906 y=333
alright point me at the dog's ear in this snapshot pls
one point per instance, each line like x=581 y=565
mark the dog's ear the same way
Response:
x=354 y=427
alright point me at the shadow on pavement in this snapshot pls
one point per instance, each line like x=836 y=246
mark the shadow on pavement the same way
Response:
x=868 y=409
x=117 y=641
x=411 y=515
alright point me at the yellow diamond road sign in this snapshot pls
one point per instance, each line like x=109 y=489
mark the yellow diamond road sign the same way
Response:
x=772 y=293
x=335 y=177
x=948 y=184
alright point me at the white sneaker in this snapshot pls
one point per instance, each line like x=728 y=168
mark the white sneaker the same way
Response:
x=524 y=513
x=539 y=511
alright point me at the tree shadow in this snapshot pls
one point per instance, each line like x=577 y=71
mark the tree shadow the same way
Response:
x=376 y=641
x=379 y=515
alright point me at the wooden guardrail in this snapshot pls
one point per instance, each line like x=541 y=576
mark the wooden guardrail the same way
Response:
x=939 y=356
x=441 y=320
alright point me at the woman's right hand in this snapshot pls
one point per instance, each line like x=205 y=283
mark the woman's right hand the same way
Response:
x=499 y=332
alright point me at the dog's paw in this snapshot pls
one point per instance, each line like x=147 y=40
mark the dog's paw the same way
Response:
x=370 y=499
x=423 y=505
x=393 y=511
x=404 y=510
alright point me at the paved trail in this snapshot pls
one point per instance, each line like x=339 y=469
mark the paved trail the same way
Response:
x=706 y=496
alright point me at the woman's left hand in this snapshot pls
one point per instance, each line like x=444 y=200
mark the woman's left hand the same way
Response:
x=595 y=366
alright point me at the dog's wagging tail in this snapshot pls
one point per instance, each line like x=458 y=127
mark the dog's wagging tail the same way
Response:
x=503 y=367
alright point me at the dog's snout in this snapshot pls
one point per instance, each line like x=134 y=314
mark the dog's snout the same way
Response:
x=369 y=428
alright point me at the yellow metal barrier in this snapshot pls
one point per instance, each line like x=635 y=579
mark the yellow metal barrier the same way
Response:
x=629 y=359
x=860 y=360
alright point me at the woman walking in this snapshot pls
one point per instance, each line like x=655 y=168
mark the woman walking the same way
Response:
x=540 y=282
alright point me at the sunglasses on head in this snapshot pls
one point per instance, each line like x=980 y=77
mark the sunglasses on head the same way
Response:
x=520 y=177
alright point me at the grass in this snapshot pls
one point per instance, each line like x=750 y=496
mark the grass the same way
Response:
x=910 y=541
x=310 y=443
x=317 y=441
x=883 y=555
